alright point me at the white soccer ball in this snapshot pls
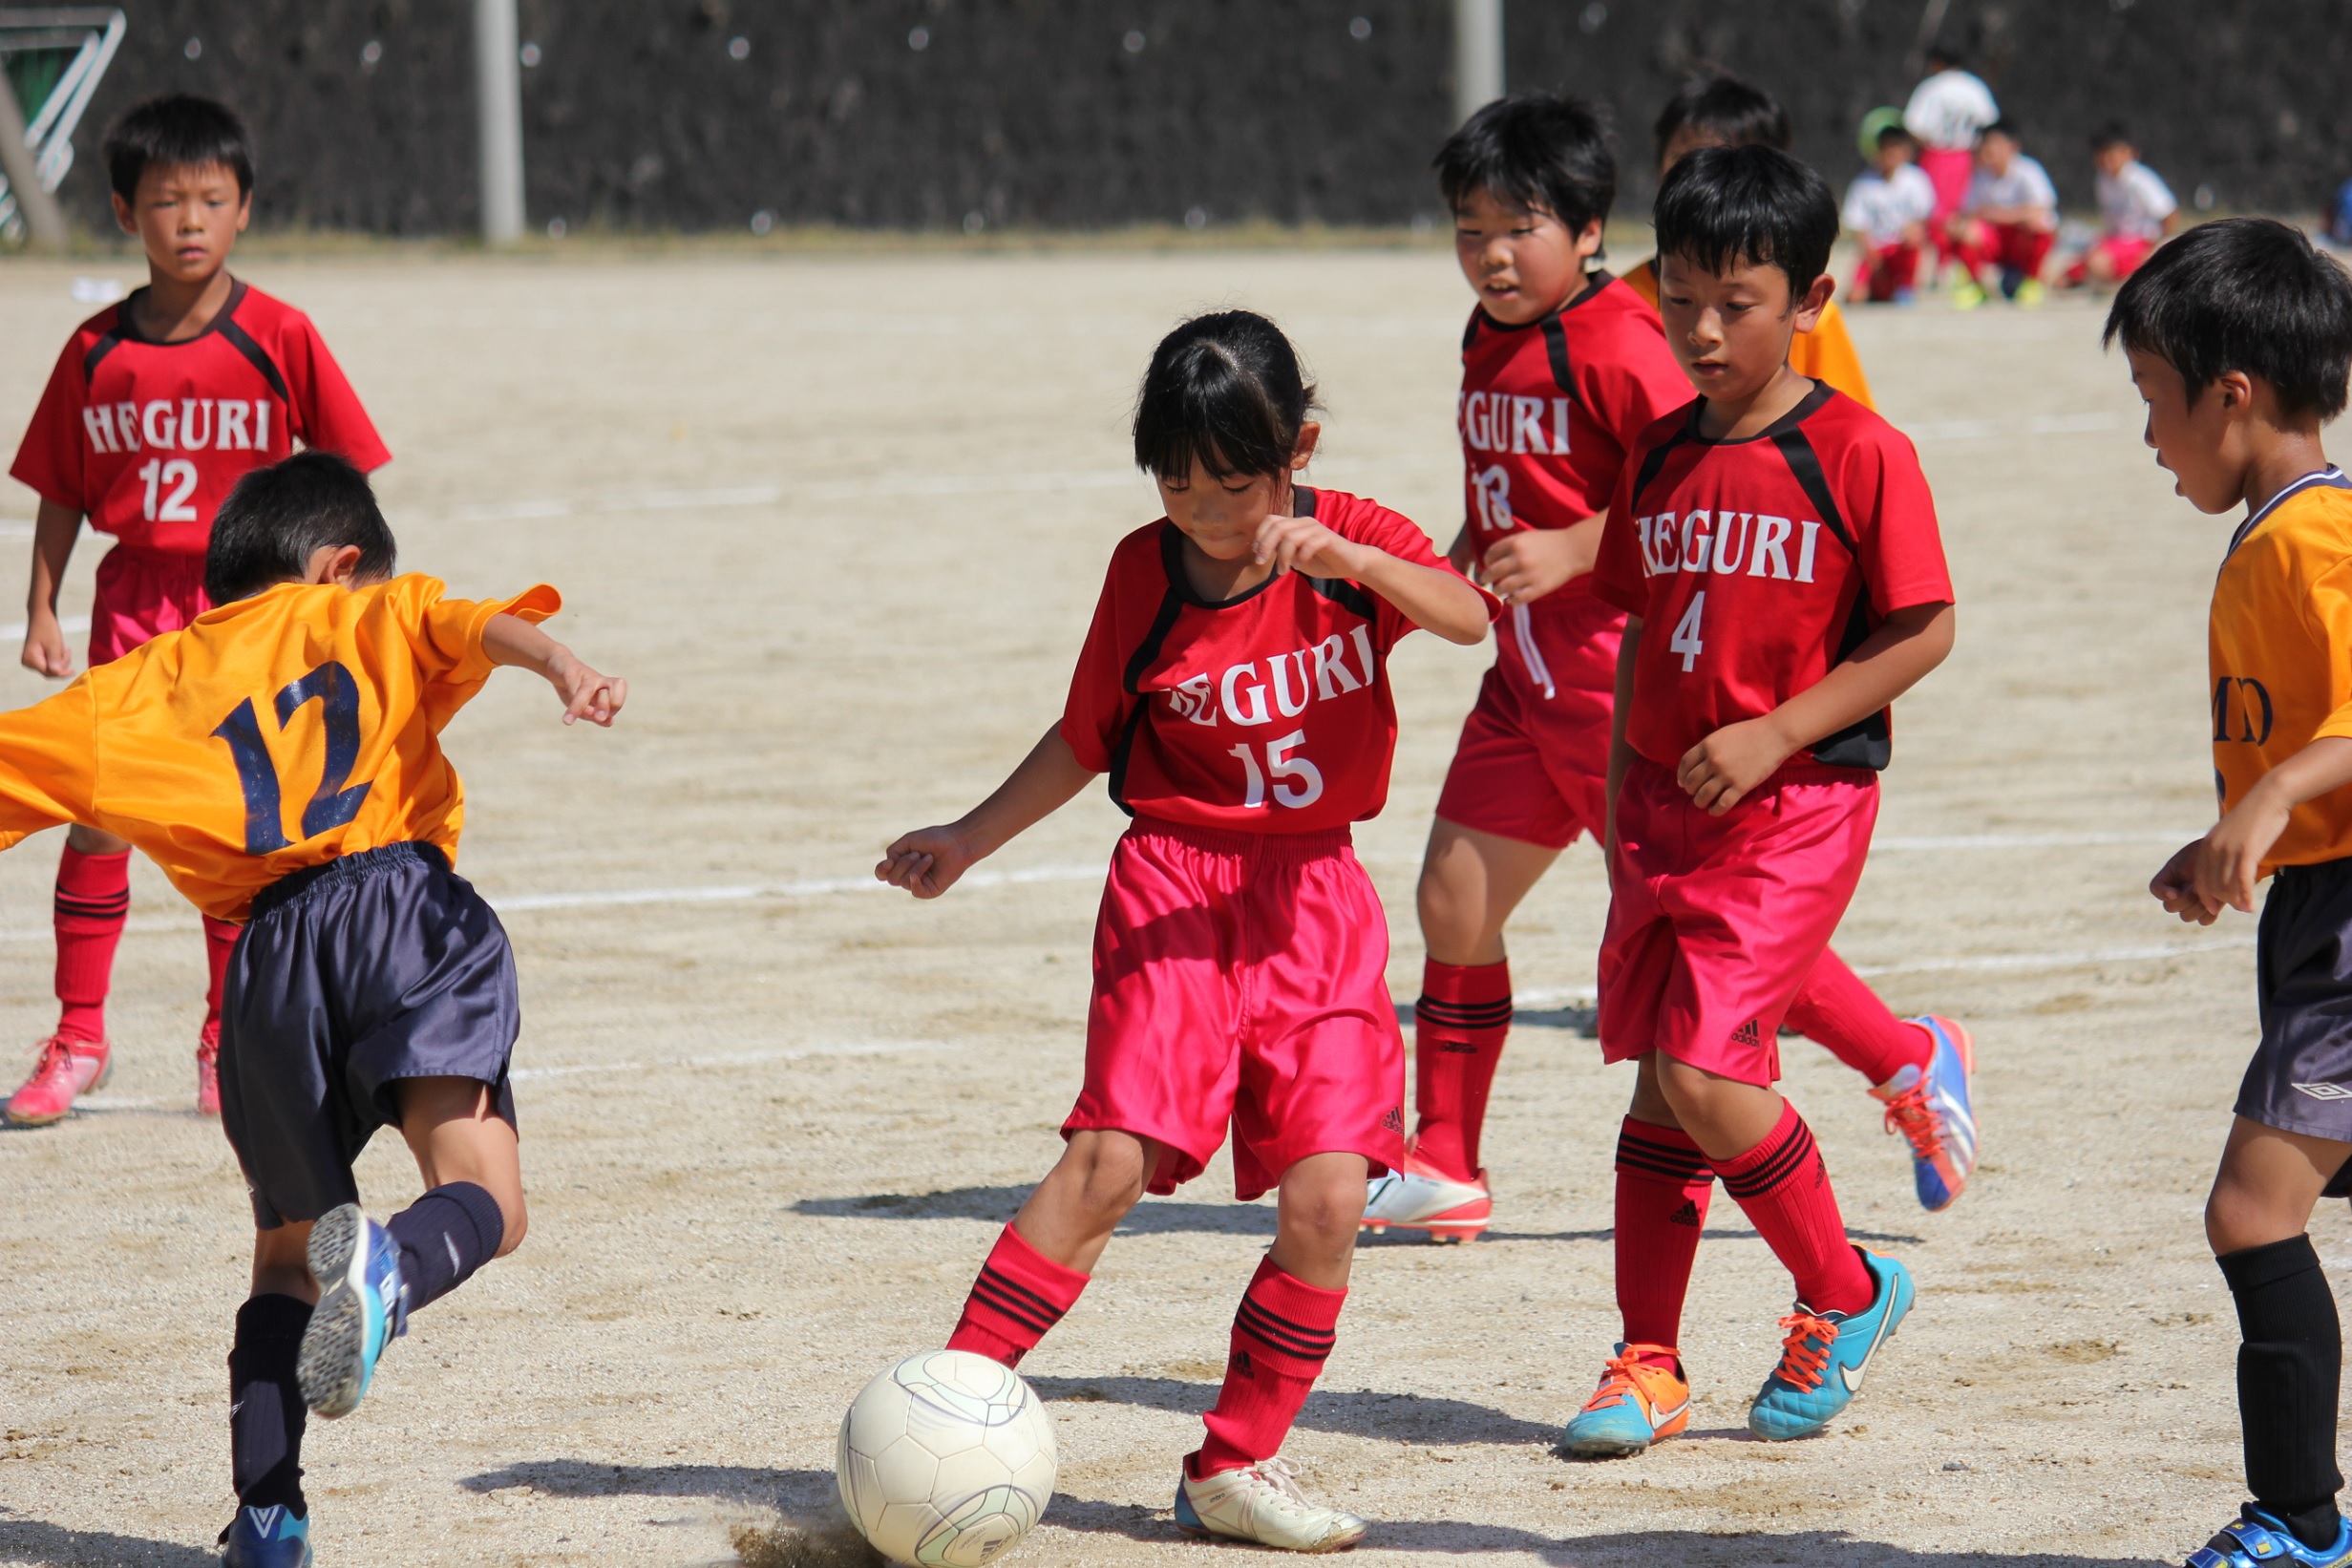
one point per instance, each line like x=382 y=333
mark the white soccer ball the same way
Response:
x=946 y=1458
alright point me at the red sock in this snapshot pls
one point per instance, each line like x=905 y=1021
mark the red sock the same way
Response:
x=94 y=894
x=219 y=941
x=1281 y=1335
x=1459 y=1025
x=1019 y=1294
x=1785 y=1190
x=1663 y=1185
x=1842 y=1014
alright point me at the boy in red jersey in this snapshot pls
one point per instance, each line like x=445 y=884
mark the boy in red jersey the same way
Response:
x=1562 y=368
x=156 y=407
x=1774 y=546
x=1235 y=688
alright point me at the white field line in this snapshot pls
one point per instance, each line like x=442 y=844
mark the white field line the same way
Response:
x=15 y=631
x=826 y=490
x=2042 y=424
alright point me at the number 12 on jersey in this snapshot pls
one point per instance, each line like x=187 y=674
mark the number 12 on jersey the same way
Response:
x=337 y=694
x=1297 y=782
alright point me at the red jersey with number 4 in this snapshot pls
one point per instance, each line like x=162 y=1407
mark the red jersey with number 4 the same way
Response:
x=1270 y=712
x=1757 y=564
x=148 y=438
x=1548 y=411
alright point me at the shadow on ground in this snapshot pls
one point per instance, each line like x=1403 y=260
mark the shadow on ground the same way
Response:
x=789 y=1488
x=36 y=1541
x=1366 y=1413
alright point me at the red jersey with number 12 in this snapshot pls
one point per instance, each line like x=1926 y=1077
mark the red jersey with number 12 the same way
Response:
x=1269 y=713
x=1548 y=411
x=148 y=438
x=1757 y=564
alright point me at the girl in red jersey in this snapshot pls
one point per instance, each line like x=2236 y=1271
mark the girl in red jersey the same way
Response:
x=1234 y=686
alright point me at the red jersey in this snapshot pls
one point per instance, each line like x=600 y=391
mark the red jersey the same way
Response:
x=147 y=438
x=1269 y=713
x=1548 y=411
x=1757 y=564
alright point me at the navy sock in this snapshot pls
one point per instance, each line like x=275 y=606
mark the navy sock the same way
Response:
x=444 y=1237
x=266 y=1411
x=2288 y=1367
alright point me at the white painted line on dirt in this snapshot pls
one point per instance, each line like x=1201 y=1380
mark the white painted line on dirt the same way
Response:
x=826 y=490
x=747 y=891
x=15 y=631
x=2034 y=841
x=2041 y=424
x=740 y=1059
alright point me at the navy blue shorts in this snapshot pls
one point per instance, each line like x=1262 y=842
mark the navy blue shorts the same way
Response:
x=2301 y=1078
x=347 y=977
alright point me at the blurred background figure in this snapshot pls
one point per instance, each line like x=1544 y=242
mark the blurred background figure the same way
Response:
x=1945 y=113
x=2136 y=211
x=1889 y=206
x=2010 y=220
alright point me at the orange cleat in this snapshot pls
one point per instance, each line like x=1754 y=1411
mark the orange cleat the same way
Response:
x=1643 y=1398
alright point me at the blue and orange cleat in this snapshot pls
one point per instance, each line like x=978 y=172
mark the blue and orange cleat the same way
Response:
x=1826 y=1355
x=2255 y=1539
x=1643 y=1398
x=362 y=1308
x=265 y=1537
x=1934 y=1109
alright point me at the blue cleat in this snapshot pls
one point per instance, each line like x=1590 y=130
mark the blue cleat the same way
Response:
x=1934 y=1110
x=265 y=1537
x=362 y=1308
x=2255 y=1539
x=1823 y=1361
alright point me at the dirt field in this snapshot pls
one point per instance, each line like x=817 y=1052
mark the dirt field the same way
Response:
x=842 y=521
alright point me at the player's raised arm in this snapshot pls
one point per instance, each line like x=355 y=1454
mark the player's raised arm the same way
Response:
x=928 y=862
x=1430 y=597
x=510 y=640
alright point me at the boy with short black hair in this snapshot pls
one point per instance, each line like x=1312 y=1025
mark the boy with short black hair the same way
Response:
x=2240 y=337
x=369 y=987
x=2136 y=211
x=2010 y=218
x=1889 y=206
x=154 y=410
x=1775 y=548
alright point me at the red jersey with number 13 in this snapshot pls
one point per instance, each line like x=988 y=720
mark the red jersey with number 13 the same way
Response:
x=1269 y=713
x=1757 y=564
x=148 y=438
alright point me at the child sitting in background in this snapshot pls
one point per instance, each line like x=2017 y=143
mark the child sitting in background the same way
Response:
x=1889 y=206
x=2136 y=211
x=2011 y=216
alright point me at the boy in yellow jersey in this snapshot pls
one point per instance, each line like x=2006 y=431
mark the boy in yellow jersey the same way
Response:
x=1722 y=111
x=2240 y=336
x=278 y=758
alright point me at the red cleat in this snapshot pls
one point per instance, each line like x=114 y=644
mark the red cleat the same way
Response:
x=208 y=1069
x=69 y=1069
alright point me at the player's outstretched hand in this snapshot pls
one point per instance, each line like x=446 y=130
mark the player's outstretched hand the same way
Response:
x=1302 y=544
x=2175 y=887
x=1718 y=772
x=585 y=693
x=45 y=650
x=925 y=863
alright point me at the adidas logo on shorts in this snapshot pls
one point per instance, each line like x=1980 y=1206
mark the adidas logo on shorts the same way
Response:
x=1394 y=1120
x=1748 y=1034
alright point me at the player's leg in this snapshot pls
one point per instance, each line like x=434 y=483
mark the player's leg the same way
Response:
x=1920 y=1068
x=92 y=899
x=266 y=1413
x=1040 y=1264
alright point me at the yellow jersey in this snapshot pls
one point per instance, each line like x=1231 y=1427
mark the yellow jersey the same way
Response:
x=2280 y=644
x=273 y=734
x=1826 y=353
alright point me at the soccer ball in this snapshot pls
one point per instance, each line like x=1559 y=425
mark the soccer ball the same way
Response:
x=946 y=1458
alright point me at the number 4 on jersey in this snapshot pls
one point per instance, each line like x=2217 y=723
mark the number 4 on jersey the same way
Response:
x=333 y=688
x=1685 y=640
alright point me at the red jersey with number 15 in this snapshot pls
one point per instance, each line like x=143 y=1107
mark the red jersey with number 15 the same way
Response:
x=1269 y=713
x=1548 y=411
x=1757 y=564
x=148 y=438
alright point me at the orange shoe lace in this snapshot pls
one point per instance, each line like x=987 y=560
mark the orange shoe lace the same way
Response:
x=1805 y=1354
x=1908 y=1113
x=1617 y=1374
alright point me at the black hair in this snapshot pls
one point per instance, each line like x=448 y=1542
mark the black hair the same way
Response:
x=278 y=516
x=2113 y=134
x=1949 y=51
x=1723 y=205
x=1540 y=151
x=177 y=130
x=1734 y=113
x=1896 y=133
x=1225 y=389
x=2247 y=294
x=2004 y=126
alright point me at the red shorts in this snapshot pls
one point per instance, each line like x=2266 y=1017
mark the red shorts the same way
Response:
x=1240 y=979
x=142 y=595
x=1533 y=764
x=2123 y=253
x=1716 y=922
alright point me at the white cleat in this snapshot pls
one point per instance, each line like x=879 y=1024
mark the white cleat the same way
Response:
x=1262 y=1503
x=1420 y=1197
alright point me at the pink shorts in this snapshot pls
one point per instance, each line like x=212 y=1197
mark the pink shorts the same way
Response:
x=1715 y=923
x=1240 y=979
x=142 y=595
x=2123 y=253
x=1533 y=764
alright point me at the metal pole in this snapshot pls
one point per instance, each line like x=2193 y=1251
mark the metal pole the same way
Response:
x=44 y=220
x=498 y=85
x=1478 y=56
